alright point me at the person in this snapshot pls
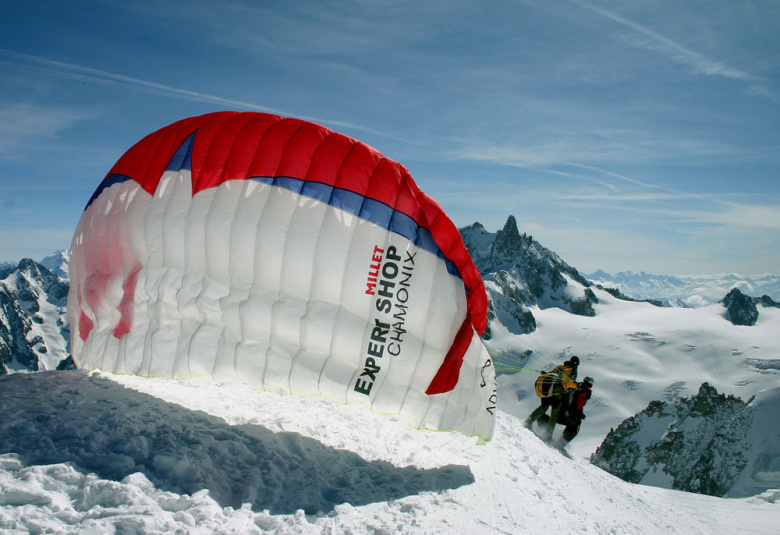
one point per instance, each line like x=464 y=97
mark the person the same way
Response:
x=550 y=387
x=573 y=415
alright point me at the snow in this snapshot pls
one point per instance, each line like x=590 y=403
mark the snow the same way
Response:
x=637 y=353
x=58 y=263
x=98 y=453
x=49 y=320
x=764 y=437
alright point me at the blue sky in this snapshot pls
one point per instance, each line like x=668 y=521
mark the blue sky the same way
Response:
x=623 y=135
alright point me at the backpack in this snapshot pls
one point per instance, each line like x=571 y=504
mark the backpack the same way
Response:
x=551 y=383
x=545 y=382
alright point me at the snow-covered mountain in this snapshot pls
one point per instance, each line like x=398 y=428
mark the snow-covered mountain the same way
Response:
x=34 y=329
x=708 y=443
x=6 y=266
x=639 y=353
x=58 y=263
x=694 y=291
x=542 y=311
x=519 y=274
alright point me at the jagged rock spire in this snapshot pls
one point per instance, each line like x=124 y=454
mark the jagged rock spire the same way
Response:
x=508 y=244
x=518 y=272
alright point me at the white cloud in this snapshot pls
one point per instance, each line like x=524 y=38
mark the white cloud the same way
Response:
x=755 y=216
x=679 y=207
x=22 y=125
x=592 y=144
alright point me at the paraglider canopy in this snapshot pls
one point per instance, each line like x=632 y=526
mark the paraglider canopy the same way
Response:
x=273 y=251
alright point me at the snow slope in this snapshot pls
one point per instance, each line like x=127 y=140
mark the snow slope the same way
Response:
x=96 y=453
x=637 y=353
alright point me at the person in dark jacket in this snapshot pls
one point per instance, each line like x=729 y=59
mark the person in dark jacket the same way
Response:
x=550 y=387
x=572 y=414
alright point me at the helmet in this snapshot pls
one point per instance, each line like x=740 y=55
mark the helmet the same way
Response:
x=575 y=360
x=588 y=381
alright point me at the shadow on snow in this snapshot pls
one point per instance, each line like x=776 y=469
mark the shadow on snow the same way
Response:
x=113 y=431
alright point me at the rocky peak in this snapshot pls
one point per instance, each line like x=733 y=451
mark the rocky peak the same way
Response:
x=742 y=309
x=769 y=302
x=31 y=280
x=508 y=243
x=519 y=272
x=33 y=321
x=697 y=444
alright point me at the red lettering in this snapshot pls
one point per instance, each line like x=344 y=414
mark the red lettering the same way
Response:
x=373 y=273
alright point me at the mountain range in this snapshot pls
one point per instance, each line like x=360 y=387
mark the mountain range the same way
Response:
x=541 y=311
x=34 y=328
x=687 y=291
x=642 y=354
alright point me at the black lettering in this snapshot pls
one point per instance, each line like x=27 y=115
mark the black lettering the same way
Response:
x=488 y=364
x=392 y=253
x=370 y=369
x=379 y=333
x=390 y=270
x=364 y=387
x=384 y=305
x=386 y=288
x=403 y=295
x=493 y=399
x=376 y=349
x=398 y=332
x=394 y=349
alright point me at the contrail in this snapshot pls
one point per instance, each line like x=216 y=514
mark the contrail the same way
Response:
x=699 y=62
x=106 y=77
x=129 y=81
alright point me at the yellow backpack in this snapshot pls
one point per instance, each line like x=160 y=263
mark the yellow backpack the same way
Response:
x=545 y=382
x=551 y=383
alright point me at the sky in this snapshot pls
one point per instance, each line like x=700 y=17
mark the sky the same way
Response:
x=641 y=135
